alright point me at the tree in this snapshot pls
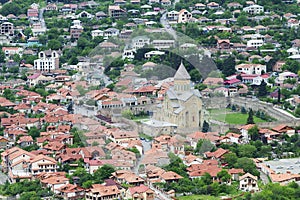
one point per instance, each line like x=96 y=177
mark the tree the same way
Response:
x=200 y=86
x=247 y=150
x=229 y=66
x=127 y=114
x=54 y=44
x=204 y=146
x=83 y=174
x=207 y=179
x=224 y=176
x=103 y=173
x=195 y=75
x=11 y=8
x=230 y=159
x=247 y=165
x=34 y=132
x=253 y=132
x=2 y=57
x=205 y=127
x=9 y=94
x=250 y=119
x=243 y=110
x=262 y=89
x=242 y=19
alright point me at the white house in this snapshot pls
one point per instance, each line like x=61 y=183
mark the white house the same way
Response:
x=10 y=51
x=48 y=60
x=251 y=68
x=129 y=53
x=172 y=15
x=254 y=9
x=153 y=53
x=111 y=32
x=140 y=42
x=248 y=183
x=255 y=43
x=293 y=51
x=97 y=33
x=184 y=16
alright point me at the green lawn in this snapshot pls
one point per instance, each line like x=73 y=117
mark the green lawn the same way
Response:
x=140 y=118
x=198 y=197
x=226 y=115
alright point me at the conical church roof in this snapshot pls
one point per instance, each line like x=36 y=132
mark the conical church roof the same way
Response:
x=182 y=73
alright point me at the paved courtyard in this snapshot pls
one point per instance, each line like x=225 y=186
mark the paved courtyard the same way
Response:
x=283 y=165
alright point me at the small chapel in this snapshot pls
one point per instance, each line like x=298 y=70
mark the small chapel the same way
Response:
x=182 y=105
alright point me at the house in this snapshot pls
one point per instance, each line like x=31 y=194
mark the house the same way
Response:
x=140 y=192
x=70 y=191
x=139 y=42
x=285 y=178
x=184 y=16
x=25 y=141
x=97 y=33
x=165 y=2
x=10 y=51
x=255 y=43
x=68 y=8
x=211 y=81
x=38 y=78
x=20 y=164
x=200 y=6
x=115 y=11
x=213 y=5
x=103 y=192
x=218 y=154
x=193 y=138
x=254 y=9
x=172 y=16
x=293 y=51
x=251 y=68
x=163 y=44
x=48 y=60
x=7 y=28
x=76 y=29
x=234 y=5
x=85 y=14
x=100 y=15
x=235 y=138
x=43 y=163
x=235 y=173
x=149 y=54
x=284 y=129
x=278 y=66
x=169 y=177
x=32 y=13
x=208 y=166
x=244 y=132
x=248 y=183
x=4 y=143
x=53 y=181
x=51 y=7
x=223 y=44
x=285 y=76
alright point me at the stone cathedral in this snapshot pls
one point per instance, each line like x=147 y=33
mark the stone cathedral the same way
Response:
x=182 y=105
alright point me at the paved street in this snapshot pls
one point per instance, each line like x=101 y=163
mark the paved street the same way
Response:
x=3 y=178
x=264 y=177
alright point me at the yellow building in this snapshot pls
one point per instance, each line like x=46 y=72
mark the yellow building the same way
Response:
x=182 y=105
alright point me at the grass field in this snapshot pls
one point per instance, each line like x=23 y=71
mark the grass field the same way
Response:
x=198 y=197
x=226 y=115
